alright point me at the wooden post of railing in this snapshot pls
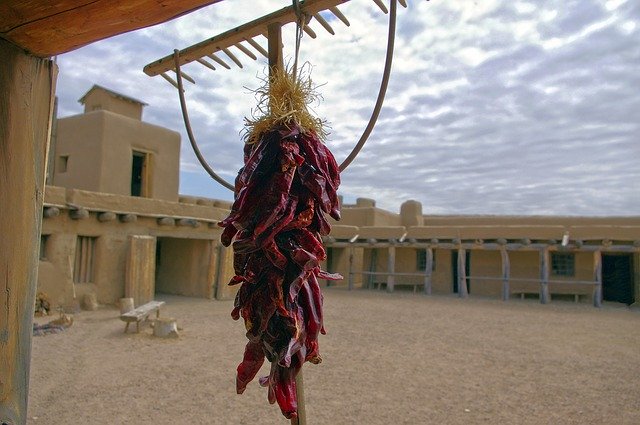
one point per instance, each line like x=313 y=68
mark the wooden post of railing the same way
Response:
x=462 y=273
x=597 y=276
x=428 y=270
x=544 y=275
x=391 y=267
x=506 y=268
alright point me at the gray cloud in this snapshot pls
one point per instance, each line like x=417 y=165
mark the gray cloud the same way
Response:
x=494 y=107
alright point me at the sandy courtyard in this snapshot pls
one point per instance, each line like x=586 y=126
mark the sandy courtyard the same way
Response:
x=388 y=359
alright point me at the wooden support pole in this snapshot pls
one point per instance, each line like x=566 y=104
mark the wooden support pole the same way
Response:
x=274 y=41
x=506 y=270
x=544 y=275
x=597 y=276
x=373 y=266
x=351 y=259
x=391 y=268
x=462 y=273
x=27 y=85
x=428 y=270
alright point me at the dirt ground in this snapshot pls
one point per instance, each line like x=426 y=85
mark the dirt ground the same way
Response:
x=397 y=358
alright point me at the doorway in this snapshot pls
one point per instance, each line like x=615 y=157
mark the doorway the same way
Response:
x=454 y=270
x=617 y=278
x=139 y=174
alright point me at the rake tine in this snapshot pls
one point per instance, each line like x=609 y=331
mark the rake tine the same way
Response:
x=232 y=57
x=381 y=6
x=309 y=31
x=258 y=47
x=246 y=51
x=339 y=15
x=170 y=80
x=403 y=3
x=186 y=77
x=220 y=61
x=205 y=63
x=324 y=23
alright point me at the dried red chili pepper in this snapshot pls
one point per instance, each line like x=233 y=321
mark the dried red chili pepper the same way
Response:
x=288 y=182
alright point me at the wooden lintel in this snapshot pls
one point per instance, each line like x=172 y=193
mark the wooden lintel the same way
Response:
x=236 y=35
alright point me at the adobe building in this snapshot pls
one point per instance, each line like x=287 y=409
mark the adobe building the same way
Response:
x=590 y=259
x=114 y=226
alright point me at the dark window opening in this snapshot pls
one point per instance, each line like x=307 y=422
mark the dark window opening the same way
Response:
x=63 y=162
x=43 y=247
x=563 y=263
x=422 y=260
x=137 y=174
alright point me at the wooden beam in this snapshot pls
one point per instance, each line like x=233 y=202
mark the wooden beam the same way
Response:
x=27 y=85
x=48 y=28
x=236 y=35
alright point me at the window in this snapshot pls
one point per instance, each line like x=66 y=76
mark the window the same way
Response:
x=43 y=247
x=63 y=161
x=85 y=259
x=422 y=260
x=563 y=263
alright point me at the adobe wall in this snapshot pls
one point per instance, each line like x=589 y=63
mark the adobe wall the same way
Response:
x=150 y=217
x=99 y=145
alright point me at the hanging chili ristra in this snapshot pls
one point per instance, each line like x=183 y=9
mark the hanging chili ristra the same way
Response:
x=287 y=185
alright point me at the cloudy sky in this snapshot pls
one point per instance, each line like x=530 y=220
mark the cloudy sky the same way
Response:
x=494 y=106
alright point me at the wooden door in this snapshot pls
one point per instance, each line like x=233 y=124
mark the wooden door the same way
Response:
x=140 y=270
x=617 y=278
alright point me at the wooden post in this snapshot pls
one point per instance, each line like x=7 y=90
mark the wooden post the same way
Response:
x=391 y=268
x=506 y=266
x=428 y=267
x=274 y=44
x=462 y=273
x=597 y=276
x=373 y=265
x=220 y=284
x=351 y=253
x=27 y=85
x=212 y=269
x=544 y=275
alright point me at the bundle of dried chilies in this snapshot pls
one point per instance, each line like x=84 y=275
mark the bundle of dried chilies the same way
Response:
x=287 y=185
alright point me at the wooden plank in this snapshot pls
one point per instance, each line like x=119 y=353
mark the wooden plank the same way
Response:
x=236 y=35
x=27 y=85
x=47 y=28
x=140 y=269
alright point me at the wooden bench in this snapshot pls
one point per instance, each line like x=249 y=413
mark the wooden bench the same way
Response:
x=141 y=313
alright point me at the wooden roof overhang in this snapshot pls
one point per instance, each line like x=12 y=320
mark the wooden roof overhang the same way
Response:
x=46 y=28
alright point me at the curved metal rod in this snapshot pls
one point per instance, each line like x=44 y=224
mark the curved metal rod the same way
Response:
x=381 y=93
x=187 y=124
